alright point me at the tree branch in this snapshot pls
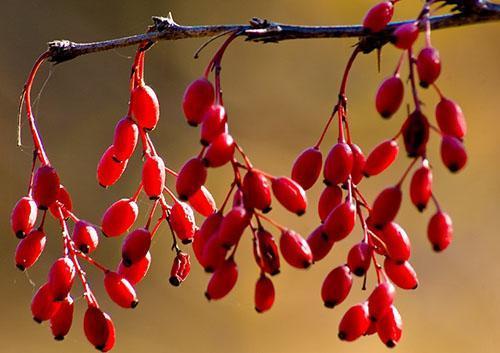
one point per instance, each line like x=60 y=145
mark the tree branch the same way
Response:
x=470 y=12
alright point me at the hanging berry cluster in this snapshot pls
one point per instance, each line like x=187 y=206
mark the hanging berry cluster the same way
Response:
x=249 y=199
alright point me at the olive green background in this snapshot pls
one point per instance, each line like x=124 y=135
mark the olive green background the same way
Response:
x=278 y=96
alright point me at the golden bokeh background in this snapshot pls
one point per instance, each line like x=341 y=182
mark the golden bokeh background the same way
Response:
x=278 y=97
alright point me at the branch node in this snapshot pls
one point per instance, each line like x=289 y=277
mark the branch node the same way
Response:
x=61 y=50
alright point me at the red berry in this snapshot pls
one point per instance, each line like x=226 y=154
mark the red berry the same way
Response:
x=330 y=198
x=389 y=96
x=359 y=258
x=338 y=164
x=137 y=271
x=440 y=231
x=378 y=16
x=99 y=329
x=380 y=300
x=214 y=254
x=45 y=186
x=214 y=124
x=389 y=327
x=416 y=134
x=307 y=167
x=183 y=222
x=238 y=198
x=428 y=66
x=145 y=107
x=269 y=258
x=43 y=305
x=340 y=221
x=125 y=139
x=256 y=191
x=85 y=237
x=405 y=35
x=203 y=202
x=29 y=249
x=61 y=320
x=354 y=323
x=290 y=195
x=119 y=217
x=396 y=242
x=23 y=216
x=319 y=243
x=108 y=169
x=359 y=161
x=135 y=246
x=453 y=153
x=421 y=186
x=198 y=97
x=381 y=157
x=386 y=206
x=220 y=151
x=336 y=286
x=401 y=274
x=233 y=225
x=223 y=280
x=208 y=228
x=61 y=276
x=192 y=176
x=450 y=118
x=180 y=269
x=120 y=290
x=264 y=294
x=295 y=249
x=153 y=176
x=64 y=198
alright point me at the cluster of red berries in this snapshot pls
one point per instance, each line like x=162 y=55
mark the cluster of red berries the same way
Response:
x=250 y=197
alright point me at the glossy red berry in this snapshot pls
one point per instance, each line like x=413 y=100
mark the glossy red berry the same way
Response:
x=415 y=132
x=99 y=329
x=120 y=290
x=256 y=191
x=135 y=246
x=23 y=216
x=85 y=237
x=428 y=66
x=340 y=222
x=198 y=97
x=183 y=222
x=125 y=139
x=336 y=286
x=214 y=124
x=382 y=156
x=180 y=269
x=380 y=300
x=338 y=164
x=405 y=35
x=359 y=258
x=61 y=276
x=453 y=153
x=43 y=305
x=389 y=327
x=192 y=176
x=233 y=225
x=386 y=206
x=45 y=186
x=397 y=242
x=295 y=249
x=223 y=280
x=264 y=294
x=440 y=231
x=109 y=171
x=319 y=243
x=208 y=228
x=378 y=16
x=354 y=323
x=307 y=167
x=389 y=96
x=203 y=202
x=269 y=258
x=290 y=195
x=358 y=166
x=29 y=249
x=220 y=151
x=64 y=201
x=450 y=118
x=214 y=254
x=330 y=198
x=421 y=186
x=153 y=176
x=62 y=318
x=401 y=274
x=136 y=271
x=145 y=107
x=119 y=217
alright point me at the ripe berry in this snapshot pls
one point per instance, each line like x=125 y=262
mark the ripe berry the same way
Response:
x=290 y=195
x=405 y=35
x=401 y=274
x=180 y=269
x=256 y=191
x=453 y=153
x=338 y=164
x=381 y=157
x=336 y=286
x=61 y=320
x=450 y=118
x=428 y=66
x=220 y=151
x=29 y=249
x=380 y=300
x=85 y=237
x=45 y=186
x=223 y=280
x=397 y=242
x=378 y=16
x=386 y=206
x=233 y=225
x=108 y=169
x=135 y=246
x=137 y=271
x=61 y=276
x=389 y=96
x=264 y=294
x=389 y=327
x=208 y=228
x=340 y=221
x=415 y=134
x=153 y=176
x=440 y=231
x=192 y=176
x=330 y=198
x=64 y=198
x=359 y=161
x=43 y=305
x=125 y=139
x=268 y=252
x=99 y=329
x=145 y=107
x=198 y=97
x=203 y=202
x=359 y=258
x=354 y=323
x=421 y=186
x=214 y=254
x=183 y=222
x=214 y=124
x=23 y=216
x=295 y=249
x=120 y=290
x=320 y=244
x=119 y=217
x=307 y=167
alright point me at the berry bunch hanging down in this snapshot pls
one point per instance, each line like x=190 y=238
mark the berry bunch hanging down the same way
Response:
x=346 y=166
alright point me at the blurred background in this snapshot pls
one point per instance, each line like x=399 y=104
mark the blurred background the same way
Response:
x=278 y=97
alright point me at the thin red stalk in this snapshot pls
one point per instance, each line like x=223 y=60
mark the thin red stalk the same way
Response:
x=271 y=221
x=151 y=213
x=405 y=174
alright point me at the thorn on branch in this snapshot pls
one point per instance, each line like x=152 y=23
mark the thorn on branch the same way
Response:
x=263 y=31
x=61 y=50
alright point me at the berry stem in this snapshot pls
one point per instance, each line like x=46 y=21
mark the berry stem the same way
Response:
x=405 y=174
x=414 y=91
x=271 y=221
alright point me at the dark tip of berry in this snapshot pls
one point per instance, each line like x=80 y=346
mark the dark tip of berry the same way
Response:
x=153 y=198
x=300 y=213
x=325 y=236
x=205 y=162
x=373 y=318
x=306 y=264
x=183 y=197
x=326 y=182
x=84 y=248
x=415 y=286
x=192 y=123
x=187 y=241
x=204 y=142
x=42 y=207
x=20 y=234
x=275 y=272
x=100 y=347
x=424 y=84
x=116 y=159
x=59 y=338
x=379 y=226
x=330 y=304
x=366 y=175
x=127 y=262
x=258 y=310
x=436 y=248
x=20 y=267
x=134 y=303
x=103 y=186
x=208 y=296
x=359 y=272
x=390 y=344
x=421 y=207
x=209 y=269
x=174 y=281
x=267 y=209
x=385 y=115
x=37 y=320
x=453 y=168
x=342 y=335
